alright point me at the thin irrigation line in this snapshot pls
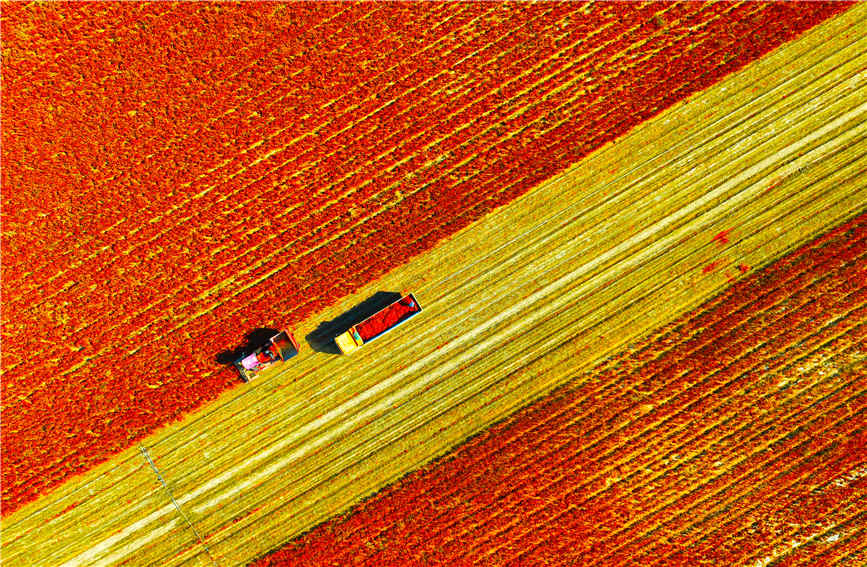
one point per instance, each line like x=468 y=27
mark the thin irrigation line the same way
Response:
x=147 y=457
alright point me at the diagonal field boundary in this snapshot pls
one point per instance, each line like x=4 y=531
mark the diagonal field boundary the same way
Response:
x=596 y=257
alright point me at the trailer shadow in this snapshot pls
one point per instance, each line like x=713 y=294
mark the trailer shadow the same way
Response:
x=322 y=339
x=255 y=339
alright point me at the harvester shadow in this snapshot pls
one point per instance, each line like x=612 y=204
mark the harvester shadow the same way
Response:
x=322 y=339
x=255 y=339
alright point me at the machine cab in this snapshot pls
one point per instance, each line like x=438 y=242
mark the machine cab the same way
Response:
x=280 y=348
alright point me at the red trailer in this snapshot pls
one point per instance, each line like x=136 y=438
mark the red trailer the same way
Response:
x=378 y=324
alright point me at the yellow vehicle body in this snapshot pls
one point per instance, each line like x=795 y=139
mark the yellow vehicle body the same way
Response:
x=346 y=342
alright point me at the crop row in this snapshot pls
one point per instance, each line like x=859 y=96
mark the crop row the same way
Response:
x=130 y=301
x=742 y=451
x=276 y=201
x=167 y=71
x=245 y=132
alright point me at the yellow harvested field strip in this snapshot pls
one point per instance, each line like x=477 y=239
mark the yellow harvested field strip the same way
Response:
x=571 y=272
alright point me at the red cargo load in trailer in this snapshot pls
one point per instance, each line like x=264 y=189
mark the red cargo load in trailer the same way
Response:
x=378 y=324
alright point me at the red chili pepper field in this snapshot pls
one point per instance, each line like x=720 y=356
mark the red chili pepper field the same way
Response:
x=177 y=175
